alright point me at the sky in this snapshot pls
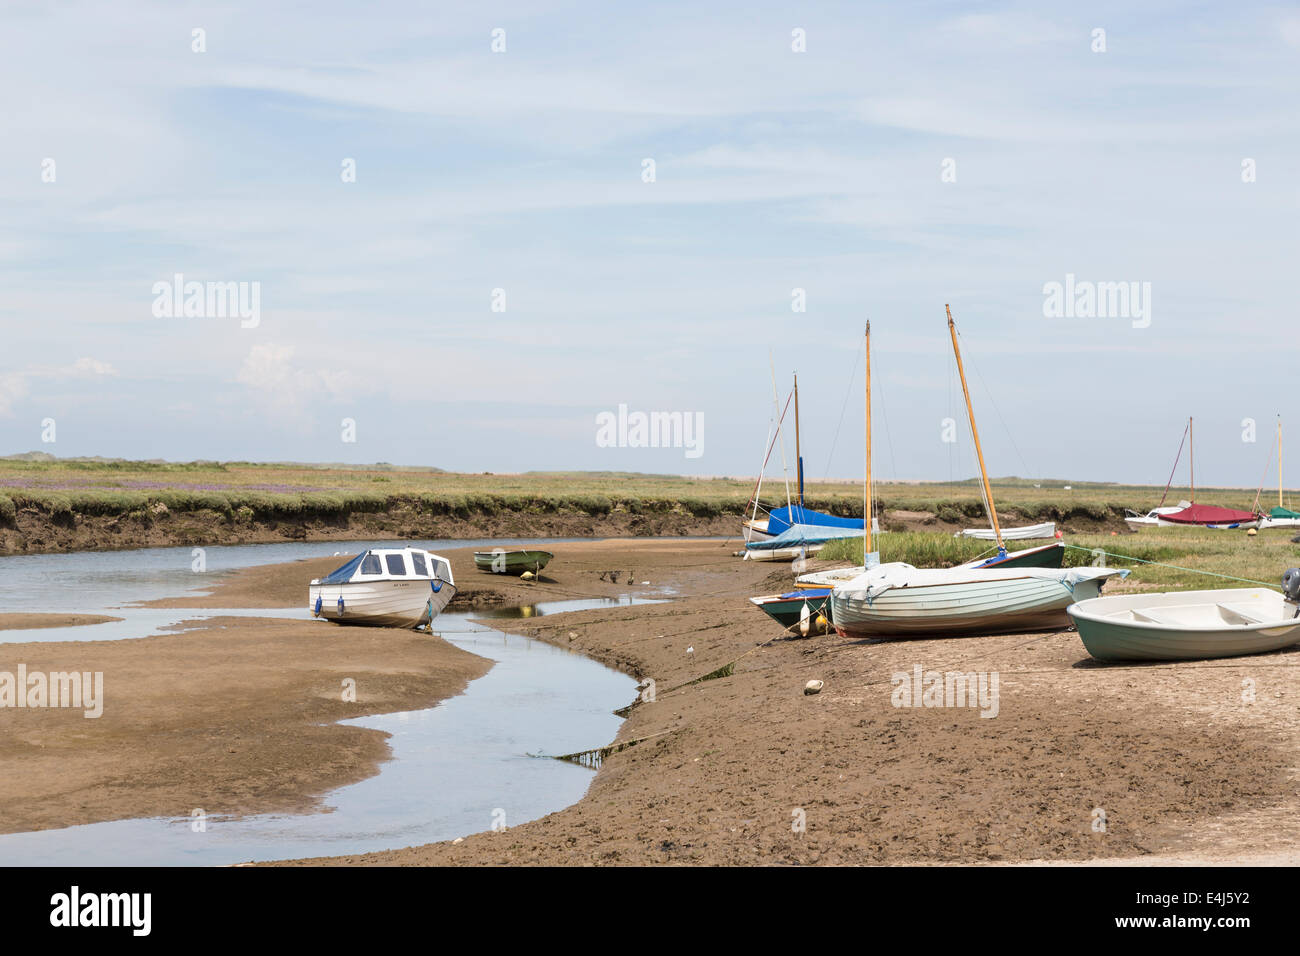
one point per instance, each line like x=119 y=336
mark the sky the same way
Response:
x=502 y=268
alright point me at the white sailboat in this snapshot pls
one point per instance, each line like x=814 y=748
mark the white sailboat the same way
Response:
x=899 y=600
x=796 y=530
x=1152 y=518
x=1188 y=514
x=389 y=587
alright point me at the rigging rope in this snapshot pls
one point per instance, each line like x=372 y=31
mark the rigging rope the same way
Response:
x=853 y=378
x=1175 y=468
x=889 y=438
x=1174 y=567
x=1029 y=473
x=1260 y=490
x=769 y=451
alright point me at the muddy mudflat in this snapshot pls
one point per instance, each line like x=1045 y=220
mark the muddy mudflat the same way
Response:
x=1080 y=762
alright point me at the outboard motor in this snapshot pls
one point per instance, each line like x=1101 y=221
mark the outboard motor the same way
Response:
x=1291 y=588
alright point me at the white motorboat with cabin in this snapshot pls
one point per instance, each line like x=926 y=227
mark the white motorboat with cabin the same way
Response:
x=389 y=587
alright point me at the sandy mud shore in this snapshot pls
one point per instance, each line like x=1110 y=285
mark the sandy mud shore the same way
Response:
x=236 y=716
x=1192 y=761
x=1174 y=760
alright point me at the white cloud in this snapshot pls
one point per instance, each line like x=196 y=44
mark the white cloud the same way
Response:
x=288 y=387
x=16 y=385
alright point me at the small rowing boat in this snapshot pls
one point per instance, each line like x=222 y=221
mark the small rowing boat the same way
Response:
x=501 y=561
x=803 y=612
x=1190 y=625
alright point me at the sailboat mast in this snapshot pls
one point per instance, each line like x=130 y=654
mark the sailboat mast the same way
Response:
x=1279 y=461
x=776 y=405
x=970 y=411
x=1191 y=455
x=798 y=455
x=866 y=486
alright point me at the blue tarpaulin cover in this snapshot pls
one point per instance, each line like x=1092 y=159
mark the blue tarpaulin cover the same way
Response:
x=801 y=534
x=344 y=574
x=782 y=519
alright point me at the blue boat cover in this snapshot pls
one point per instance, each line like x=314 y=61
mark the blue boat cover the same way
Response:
x=802 y=534
x=809 y=594
x=344 y=574
x=782 y=519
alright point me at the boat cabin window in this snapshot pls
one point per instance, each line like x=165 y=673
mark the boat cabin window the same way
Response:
x=441 y=570
x=417 y=559
x=396 y=566
x=370 y=565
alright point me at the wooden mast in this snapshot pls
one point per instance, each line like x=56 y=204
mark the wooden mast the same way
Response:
x=798 y=455
x=866 y=487
x=970 y=411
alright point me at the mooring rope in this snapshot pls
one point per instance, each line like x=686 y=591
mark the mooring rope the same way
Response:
x=1174 y=567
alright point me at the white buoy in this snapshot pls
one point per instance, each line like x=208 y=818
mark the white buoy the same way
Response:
x=813 y=687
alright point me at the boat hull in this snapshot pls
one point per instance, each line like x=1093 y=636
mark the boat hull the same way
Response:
x=782 y=554
x=958 y=610
x=1266 y=523
x=1188 y=625
x=798 y=611
x=380 y=603
x=1046 y=530
x=1043 y=556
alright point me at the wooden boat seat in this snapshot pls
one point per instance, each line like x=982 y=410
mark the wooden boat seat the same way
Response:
x=1245 y=617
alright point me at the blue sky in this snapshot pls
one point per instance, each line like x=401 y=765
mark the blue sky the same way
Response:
x=775 y=170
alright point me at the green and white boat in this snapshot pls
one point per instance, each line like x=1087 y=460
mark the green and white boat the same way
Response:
x=1189 y=625
x=803 y=612
x=1281 y=517
x=501 y=561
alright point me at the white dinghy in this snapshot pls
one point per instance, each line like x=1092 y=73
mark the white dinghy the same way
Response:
x=1153 y=517
x=1190 y=625
x=389 y=587
x=898 y=600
